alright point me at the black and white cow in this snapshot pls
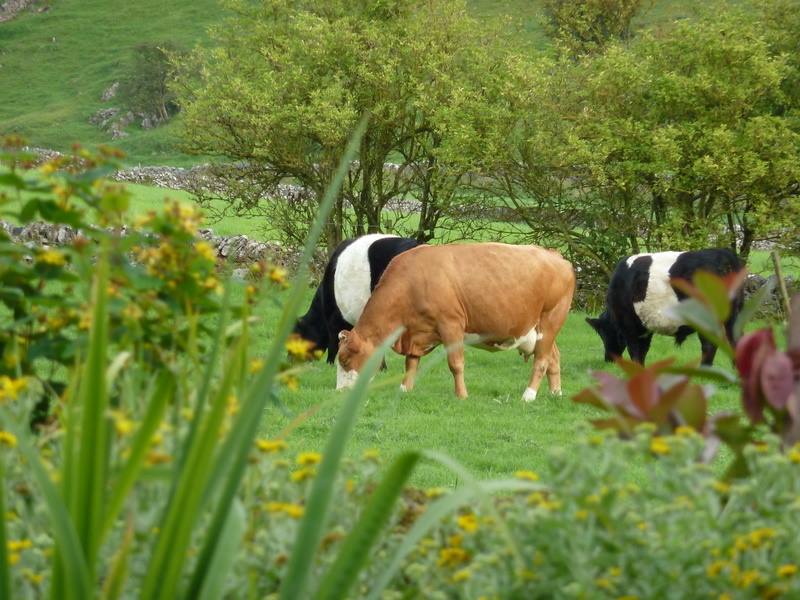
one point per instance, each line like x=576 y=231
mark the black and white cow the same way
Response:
x=640 y=293
x=352 y=273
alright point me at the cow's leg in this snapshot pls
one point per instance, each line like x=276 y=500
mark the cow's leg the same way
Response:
x=412 y=362
x=708 y=349
x=639 y=346
x=554 y=371
x=455 y=360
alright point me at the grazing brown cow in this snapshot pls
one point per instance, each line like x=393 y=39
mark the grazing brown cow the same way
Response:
x=495 y=296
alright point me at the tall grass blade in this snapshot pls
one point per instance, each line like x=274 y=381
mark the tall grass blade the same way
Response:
x=225 y=553
x=185 y=505
x=313 y=524
x=90 y=488
x=76 y=582
x=232 y=459
x=115 y=581
x=342 y=574
x=5 y=574
x=156 y=407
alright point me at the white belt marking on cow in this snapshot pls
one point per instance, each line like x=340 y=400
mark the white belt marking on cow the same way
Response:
x=660 y=296
x=352 y=277
x=524 y=344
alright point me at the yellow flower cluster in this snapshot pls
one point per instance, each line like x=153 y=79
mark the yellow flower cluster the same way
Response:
x=10 y=388
x=270 y=446
x=309 y=458
x=299 y=348
x=302 y=474
x=295 y=511
x=527 y=475
x=659 y=445
x=8 y=439
x=794 y=454
x=755 y=539
x=468 y=522
x=542 y=500
x=51 y=256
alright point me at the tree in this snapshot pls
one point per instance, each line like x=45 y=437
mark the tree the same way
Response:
x=146 y=89
x=581 y=27
x=682 y=139
x=286 y=81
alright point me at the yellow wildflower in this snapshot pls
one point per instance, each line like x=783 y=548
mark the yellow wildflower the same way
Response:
x=232 y=405
x=10 y=388
x=659 y=445
x=157 y=458
x=455 y=540
x=13 y=558
x=794 y=454
x=8 y=439
x=273 y=507
x=748 y=578
x=19 y=545
x=581 y=515
x=787 y=570
x=295 y=511
x=468 y=523
x=715 y=568
x=603 y=583
x=372 y=454
x=685 y=431
x=299 y=347
x=461 y=575
x=256 y=365
x=435 y=492
x=527 y=475
x=450 y=557
x=122 y=424
x=291 y=382
x=270 y=446
x=724 y=596
x=759 y=536
x=34 y=578
x=278 y=275
x=614 y=572
x=302 y=474
x=205 y=250
x=51 y=256
x=721 y=487
x=309 y=458
x=628 y=597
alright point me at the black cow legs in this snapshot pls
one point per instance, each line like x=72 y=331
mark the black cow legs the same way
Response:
x=638 y=346
x=709 y=351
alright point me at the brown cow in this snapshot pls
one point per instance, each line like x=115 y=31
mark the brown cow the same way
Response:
x=496 y=296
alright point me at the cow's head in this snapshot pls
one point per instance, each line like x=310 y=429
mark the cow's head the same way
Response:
x=613 y=342
x=353 y=353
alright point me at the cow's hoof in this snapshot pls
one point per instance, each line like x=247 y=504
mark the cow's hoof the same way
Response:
x=556 y=393
x=529 y=395
x=403 y=387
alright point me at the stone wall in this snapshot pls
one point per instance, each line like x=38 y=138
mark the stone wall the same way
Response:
x=237 y=250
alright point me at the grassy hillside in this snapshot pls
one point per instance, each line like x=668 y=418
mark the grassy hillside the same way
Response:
x=54 y=66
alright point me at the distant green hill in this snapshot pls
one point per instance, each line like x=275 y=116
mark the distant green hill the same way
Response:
x=54 y=66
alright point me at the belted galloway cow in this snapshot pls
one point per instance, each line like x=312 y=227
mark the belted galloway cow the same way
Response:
x=494 y=296
x=350 y=276
x=640 y=295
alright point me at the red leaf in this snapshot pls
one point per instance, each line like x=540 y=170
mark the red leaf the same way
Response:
x=777 y=380
x=643 y=391
x=746 y=349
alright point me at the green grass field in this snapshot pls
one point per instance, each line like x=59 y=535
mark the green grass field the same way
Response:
x=54 y=66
